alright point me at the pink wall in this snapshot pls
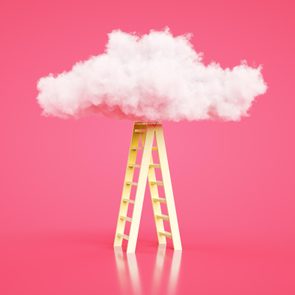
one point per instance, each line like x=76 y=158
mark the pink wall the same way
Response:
x=233 y=182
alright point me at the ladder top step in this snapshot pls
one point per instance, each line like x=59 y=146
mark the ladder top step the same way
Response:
x=122 y=236
x=166 y=234
x=161 y=200
x=147 y=123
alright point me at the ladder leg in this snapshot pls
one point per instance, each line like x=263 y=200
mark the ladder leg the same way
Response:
x=174 y=271
x=141 y=185
x=168 y=189
x=126 y=190
x=134 y=273
x=156 y=205
x=158 y=268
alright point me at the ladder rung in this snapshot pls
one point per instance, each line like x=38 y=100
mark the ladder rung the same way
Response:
x=126 y=218
x=161 y=200
x=154 y=148
x=128 y=201
x=131 y=183
x=139 y=130
x=136 y=148
x=155 y=166
x=133 y=165
x=162 y=216
x=166 y=234
x=156 y=182
x=125 y=237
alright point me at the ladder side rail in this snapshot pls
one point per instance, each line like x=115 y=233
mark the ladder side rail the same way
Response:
x=154 y=192
x=126 y=189
x=141 y=185
x=168 y=188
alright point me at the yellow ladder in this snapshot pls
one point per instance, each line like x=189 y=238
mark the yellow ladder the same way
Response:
x=146 y=138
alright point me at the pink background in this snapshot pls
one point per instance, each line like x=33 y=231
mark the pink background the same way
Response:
x=61 y=180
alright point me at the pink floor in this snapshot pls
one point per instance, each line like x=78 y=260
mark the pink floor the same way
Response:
x=81 y=263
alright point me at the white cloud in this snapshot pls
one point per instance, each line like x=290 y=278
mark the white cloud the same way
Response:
x=153 y=77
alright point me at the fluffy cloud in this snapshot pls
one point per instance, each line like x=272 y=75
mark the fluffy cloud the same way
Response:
x=156 y=76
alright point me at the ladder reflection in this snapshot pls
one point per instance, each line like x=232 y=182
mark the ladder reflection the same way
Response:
x=164 y=276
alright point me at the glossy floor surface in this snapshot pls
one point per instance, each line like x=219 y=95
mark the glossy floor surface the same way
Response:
x=81 y=263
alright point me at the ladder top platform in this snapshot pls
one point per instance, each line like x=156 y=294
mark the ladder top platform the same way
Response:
x=147 y=123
